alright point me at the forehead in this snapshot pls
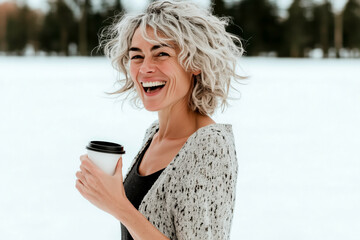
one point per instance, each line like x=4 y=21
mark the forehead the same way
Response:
x=139 y=38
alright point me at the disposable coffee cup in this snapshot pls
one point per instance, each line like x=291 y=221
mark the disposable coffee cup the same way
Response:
x=105 y=155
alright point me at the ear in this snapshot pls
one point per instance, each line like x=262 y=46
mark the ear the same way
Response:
x=197 y=72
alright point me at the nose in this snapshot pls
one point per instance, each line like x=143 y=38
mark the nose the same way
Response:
x=147 y=66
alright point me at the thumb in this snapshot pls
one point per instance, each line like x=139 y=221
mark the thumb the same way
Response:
x=118 y=169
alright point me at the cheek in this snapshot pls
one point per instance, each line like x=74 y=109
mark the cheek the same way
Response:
x=133 y=74
x=133 y=71
x=183 y=80
x=176 y=71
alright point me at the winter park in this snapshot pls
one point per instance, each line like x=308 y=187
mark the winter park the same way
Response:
x=295 y=123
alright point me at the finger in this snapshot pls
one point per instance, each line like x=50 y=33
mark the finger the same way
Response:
x=118 y=169
x=82 y=166
x=84 y=191
x=84 y=170
x=81 y=188
x=86 y=181
x=83 y=157
x=89 y=181
x=81 y=177
x=91 y=167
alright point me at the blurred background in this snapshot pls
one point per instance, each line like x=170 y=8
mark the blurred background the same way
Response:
x=296 y=121
x=283 y=28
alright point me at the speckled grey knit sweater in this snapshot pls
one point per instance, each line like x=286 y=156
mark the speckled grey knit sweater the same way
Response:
x=194 y=196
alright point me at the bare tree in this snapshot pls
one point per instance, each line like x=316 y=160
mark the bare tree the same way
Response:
x=84 y=6
x=338 y=32
x=324 y=28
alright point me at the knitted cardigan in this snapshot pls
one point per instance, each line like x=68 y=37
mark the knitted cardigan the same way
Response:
x=194 y=196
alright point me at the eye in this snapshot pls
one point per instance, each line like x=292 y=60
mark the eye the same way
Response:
x=163 y=54
x=136 y=57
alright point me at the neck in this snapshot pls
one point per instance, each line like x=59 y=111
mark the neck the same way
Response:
x=177 y=122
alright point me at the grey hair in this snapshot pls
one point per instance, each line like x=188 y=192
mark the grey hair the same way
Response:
x=204 y=43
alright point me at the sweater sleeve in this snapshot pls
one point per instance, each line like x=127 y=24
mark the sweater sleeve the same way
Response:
x=204 y=205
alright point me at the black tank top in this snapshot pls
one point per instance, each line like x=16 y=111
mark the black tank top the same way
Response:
x=136 y=187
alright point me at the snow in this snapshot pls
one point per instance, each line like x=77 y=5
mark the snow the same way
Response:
x=296 y=128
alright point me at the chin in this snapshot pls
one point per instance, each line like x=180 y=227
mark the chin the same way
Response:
x=152 y=107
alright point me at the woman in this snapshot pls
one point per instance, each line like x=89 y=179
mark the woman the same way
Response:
x=179 y=61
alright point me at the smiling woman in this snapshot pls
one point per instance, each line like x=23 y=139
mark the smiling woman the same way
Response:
x=160 y=79
x=200 y=39
x=179 y=61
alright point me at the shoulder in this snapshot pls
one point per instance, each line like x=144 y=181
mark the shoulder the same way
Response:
x=151 y=130
x=211 y=148
x=213 y=138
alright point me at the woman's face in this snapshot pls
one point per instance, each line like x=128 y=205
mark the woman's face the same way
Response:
x=160 y=80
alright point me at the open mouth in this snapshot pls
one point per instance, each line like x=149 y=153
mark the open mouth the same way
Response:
x=150 y=87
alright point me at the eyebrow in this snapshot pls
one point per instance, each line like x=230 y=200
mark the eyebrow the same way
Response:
x=135 y=49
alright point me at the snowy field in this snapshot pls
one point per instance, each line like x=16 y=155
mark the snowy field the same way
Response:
x=296 y=126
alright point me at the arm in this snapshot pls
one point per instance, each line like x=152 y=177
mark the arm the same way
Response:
x=107 y=193
x=204 y=206
x=138 y=226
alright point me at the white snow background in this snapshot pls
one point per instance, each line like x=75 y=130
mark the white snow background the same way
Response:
x=296 y=126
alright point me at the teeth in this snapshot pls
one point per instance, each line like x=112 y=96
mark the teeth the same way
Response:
x=152 y=84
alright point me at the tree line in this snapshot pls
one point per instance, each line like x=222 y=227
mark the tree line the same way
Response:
x=71 y=27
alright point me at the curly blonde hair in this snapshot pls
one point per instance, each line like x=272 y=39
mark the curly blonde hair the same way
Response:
x=205 y=45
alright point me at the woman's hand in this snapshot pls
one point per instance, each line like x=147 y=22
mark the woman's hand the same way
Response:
x=108 y=193
x=104 y=191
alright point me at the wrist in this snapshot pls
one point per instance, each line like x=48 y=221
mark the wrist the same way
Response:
x=137 y=224
x=125 y=211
